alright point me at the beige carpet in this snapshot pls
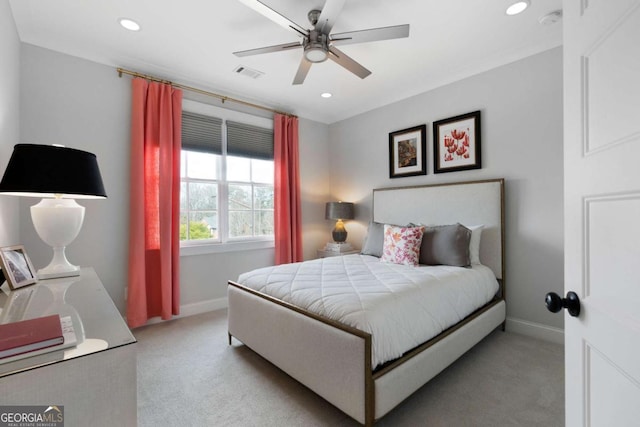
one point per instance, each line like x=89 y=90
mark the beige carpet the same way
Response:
x=189 y=376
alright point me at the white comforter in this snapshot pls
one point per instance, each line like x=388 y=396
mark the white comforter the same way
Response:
x=400 y=306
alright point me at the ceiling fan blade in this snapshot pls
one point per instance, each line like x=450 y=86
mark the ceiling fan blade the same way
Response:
x=276 y=17
x=329 y=15
x=371 y=35
x=269 y=49
x=303 y=69
x=342 y=59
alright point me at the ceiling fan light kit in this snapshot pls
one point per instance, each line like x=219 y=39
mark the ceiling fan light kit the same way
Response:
x=551 y=18
x=316 y=47
x=318 y=44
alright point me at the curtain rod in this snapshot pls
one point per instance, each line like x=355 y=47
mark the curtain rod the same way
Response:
x=223 y=98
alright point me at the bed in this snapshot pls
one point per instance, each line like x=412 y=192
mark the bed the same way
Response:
x=340 y=355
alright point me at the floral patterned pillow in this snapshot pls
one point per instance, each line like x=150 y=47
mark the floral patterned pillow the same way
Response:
x=401 y=245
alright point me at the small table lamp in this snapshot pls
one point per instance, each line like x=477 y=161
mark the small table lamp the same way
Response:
x=59 y=175
x=339 y=211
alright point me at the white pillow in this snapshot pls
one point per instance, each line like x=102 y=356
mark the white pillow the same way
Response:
x=474 y=243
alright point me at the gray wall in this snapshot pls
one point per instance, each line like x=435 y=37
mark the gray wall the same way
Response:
x=521 y=106
x=80 y=104
x=9 y=118
x=85 y=105
x=314 y=185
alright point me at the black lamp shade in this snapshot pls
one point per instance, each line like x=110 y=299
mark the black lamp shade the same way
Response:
x=339 y=210
x=40 y=170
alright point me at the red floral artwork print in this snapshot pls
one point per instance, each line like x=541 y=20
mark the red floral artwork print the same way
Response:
x=456 y=144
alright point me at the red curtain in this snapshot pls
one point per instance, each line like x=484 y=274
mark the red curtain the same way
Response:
x=154 y=244
x=288 y=215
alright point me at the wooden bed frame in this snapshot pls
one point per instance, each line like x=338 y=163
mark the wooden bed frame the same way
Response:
x=333 y=359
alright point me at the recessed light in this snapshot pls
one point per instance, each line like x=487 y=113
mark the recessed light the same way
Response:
x=551 y=18
x=326 y=95
x=518 y=7
x=129 y=24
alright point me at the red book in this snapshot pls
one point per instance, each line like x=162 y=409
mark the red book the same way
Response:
x=29 y=335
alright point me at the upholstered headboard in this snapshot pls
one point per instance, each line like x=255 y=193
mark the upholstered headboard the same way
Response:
x=469 y=203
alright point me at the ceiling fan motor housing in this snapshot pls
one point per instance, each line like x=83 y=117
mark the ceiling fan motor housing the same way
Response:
x=316 y=47
x=313 y=16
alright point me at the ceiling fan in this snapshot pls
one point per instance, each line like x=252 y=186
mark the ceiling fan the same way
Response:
x=318 y=43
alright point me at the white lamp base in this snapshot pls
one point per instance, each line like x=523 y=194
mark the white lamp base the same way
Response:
x=58 y=222
x=58 y=269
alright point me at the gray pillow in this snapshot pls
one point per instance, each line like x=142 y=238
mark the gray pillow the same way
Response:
x=446 y=245
x=373 y=242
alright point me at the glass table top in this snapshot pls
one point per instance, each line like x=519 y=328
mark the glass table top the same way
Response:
x=97 y=322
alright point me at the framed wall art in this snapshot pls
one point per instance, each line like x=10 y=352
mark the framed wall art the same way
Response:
x=408 y=152
x=456 y=143
x=16 y=267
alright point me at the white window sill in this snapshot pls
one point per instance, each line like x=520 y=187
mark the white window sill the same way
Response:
x=212 y=248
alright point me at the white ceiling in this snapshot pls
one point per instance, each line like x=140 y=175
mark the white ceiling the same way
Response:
x=191 y=42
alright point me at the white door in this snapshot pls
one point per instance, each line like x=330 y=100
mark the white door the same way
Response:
x=602 y=210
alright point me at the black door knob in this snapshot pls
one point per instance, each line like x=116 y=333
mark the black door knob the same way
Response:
x=555 y=303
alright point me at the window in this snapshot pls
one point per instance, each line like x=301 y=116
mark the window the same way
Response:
x=226 y=192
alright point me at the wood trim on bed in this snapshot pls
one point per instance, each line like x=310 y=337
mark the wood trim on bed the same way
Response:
x=369 y=396
x=443 y=184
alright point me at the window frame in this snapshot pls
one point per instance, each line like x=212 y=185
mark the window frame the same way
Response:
x=224 y=244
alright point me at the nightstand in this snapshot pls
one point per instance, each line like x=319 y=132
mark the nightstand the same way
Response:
x=324 y=254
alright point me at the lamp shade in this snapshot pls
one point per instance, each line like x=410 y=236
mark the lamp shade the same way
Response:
x=339 y=210
x=52 y=171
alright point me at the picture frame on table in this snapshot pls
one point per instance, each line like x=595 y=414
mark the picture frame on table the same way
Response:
x=16 y=267
x=457 y=143
x=408 y=152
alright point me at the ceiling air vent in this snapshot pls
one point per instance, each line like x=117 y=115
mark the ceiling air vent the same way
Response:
x=254 y=74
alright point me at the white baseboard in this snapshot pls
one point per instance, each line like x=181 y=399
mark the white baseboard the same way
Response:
x=203 y=306
x=535 y=330
x=195 y=308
